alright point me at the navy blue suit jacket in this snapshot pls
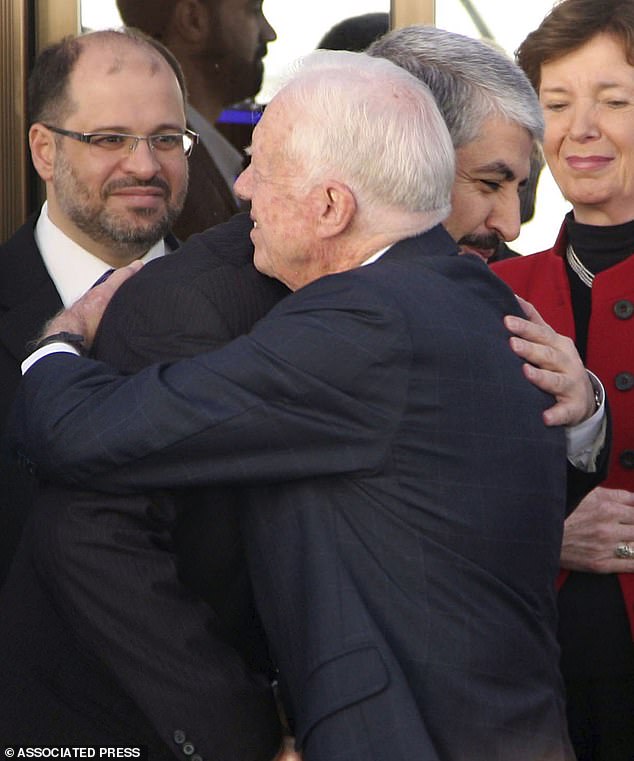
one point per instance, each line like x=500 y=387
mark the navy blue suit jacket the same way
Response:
x=408 y=505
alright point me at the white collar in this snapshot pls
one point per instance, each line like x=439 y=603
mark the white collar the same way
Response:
x=375 y=257
x=72 y=269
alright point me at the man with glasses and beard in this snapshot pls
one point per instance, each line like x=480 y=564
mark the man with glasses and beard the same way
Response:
x=109 y=139
x=110 y=198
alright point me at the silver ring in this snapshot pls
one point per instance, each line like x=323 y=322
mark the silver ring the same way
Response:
x=623 y=550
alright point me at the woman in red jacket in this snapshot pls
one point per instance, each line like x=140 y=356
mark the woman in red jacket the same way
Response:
x=581 y=62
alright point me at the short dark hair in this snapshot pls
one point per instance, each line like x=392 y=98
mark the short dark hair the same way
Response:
x=150 y=16
x=571 y=24
x=48 y=97
x=356 y=33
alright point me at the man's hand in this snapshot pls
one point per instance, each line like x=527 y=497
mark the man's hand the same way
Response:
x=288 y=753
x=603 y=520
x=553 y=365
x=85 y=314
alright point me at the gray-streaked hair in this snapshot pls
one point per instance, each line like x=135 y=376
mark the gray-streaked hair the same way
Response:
x=470 y=79
x=373 y=126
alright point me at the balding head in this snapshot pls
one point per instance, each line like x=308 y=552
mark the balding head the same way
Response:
x=48 y=89
x=113 y=196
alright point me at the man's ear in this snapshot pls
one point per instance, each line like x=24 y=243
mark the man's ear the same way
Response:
x=338 y=207
x=190 y=21
x=43 y=150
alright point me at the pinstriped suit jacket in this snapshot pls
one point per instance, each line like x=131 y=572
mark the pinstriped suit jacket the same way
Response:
x=77 y=668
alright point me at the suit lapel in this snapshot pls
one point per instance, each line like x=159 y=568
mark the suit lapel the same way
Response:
x=27 y=295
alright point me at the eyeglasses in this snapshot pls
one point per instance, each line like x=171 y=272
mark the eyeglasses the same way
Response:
x=115 y=142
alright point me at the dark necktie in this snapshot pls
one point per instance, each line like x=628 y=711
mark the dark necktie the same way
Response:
x=103 y=278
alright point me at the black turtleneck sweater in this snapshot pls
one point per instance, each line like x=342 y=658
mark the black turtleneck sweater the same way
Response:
x=587 y=602
x=598 y=248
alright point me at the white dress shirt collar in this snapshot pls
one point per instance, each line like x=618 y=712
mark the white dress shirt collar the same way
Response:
x=72 y=269
x=376 y=257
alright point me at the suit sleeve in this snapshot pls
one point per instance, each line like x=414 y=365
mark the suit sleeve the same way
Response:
x=305 y=394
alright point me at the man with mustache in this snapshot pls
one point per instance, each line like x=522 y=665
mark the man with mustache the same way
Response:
x=492 y=118
x=220 y=45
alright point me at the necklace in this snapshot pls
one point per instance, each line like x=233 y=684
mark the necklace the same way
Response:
x=582 y=272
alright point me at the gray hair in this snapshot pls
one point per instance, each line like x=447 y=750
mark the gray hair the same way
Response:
x=373 y=125
x=470 y=79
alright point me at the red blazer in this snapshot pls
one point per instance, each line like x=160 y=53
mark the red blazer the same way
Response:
x=542 y=280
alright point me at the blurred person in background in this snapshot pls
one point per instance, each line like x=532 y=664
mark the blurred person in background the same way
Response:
x=355 y=33
x=220 y=45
